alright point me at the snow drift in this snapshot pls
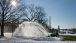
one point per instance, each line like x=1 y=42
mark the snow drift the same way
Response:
x=30 y=29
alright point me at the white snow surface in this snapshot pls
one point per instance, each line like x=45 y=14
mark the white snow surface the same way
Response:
x=19 y=39
x=9 y=35
x=67 y=34
x=31 y=40
x=30 y=29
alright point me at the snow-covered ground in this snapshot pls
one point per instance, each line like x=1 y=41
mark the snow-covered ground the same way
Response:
x=25 y=40
x=19 y=39
x=67 y=34
x=9 y=35
x=29 y=32
x=30 y=40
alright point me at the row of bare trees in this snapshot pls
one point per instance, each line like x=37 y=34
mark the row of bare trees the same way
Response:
x=10 y=14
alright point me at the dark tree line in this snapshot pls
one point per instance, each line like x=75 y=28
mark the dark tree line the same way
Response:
x=12 y=15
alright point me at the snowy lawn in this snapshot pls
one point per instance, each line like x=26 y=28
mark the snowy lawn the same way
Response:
x=9 y=39
x=21 y=40
x=9 y=35
x=67 y=34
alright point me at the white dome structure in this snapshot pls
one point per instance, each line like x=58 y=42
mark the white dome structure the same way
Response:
x=30 y=29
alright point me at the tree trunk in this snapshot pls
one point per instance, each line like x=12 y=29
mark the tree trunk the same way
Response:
x=2 y=25
x=2 y=30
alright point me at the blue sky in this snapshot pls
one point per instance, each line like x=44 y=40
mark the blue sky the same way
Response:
x=62 y=12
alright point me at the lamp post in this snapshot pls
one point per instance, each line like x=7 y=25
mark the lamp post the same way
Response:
x=50 y=23
x=58 y=29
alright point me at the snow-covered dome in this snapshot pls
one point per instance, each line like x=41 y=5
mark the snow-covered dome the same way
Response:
x=30 y=29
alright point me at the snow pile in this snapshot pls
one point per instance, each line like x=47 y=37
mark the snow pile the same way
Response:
x=30 y=29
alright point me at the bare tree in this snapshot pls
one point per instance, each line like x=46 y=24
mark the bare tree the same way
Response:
x=36 y=13
x=7 y=11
